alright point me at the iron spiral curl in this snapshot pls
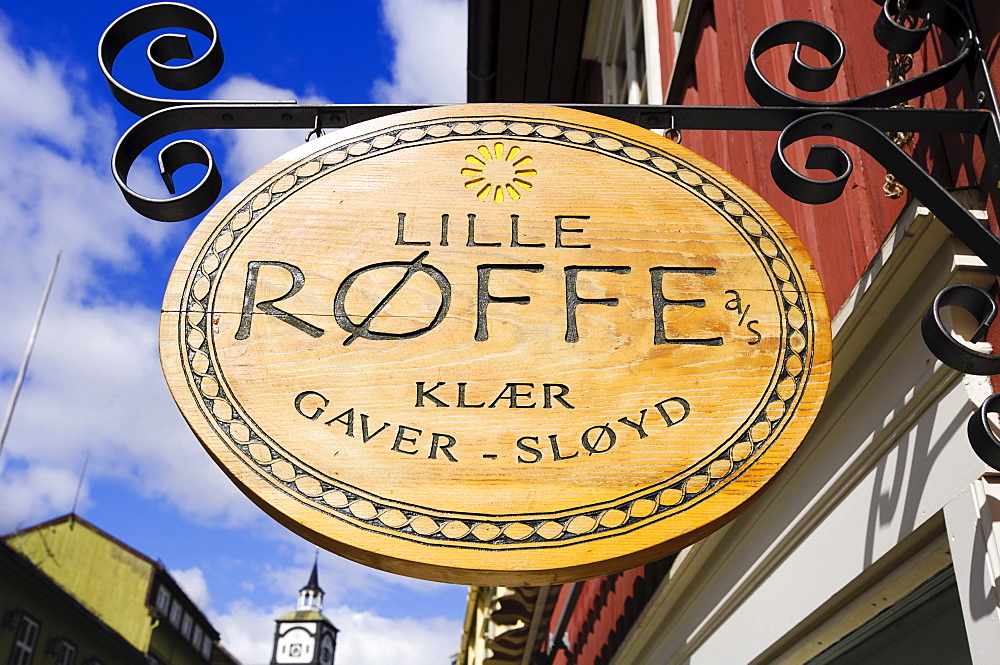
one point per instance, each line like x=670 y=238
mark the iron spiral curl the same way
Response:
x=896 y=38
x=161 y=117
x=161 y=50
x=890 y=34
x=845 y=119
x=963 y=358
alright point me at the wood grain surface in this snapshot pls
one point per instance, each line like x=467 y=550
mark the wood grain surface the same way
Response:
x=496 y=344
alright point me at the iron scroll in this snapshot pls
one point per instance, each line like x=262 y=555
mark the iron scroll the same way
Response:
x=862 y=120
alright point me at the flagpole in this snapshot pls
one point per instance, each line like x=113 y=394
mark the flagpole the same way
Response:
x=79 y=484
x=27 y=355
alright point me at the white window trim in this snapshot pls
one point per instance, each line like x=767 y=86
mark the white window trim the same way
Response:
x=68 y=654
x=176 y=613
x=163 y=600
x=25 y=640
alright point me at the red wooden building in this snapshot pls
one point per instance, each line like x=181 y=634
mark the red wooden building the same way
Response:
x=880 y=540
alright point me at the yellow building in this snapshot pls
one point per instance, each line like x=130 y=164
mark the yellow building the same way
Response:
x=504 y=623
x=125 y=589
x=41 y=624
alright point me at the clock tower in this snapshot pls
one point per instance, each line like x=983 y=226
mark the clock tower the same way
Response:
x=305 y=636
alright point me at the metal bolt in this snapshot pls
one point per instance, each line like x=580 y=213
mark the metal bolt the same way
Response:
x=980 y=97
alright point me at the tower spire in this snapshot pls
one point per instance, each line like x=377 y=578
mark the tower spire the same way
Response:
x=311 y=595
x=305 y=636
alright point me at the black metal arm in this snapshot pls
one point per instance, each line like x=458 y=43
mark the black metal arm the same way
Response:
x=863 y=121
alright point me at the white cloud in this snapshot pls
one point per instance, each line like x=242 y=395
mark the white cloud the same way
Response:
x=342 y=580
x=249 y=149
x=428 y=67
x=350 y=592
x=369 y=639
x=365 y=638
x=33 y=97
x=247 y=631
x=429 y=62
x=94 y=381
x=96 y=385
x=32 y=494
x=192 y=581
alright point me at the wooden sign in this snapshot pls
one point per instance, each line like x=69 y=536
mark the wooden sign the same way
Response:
x=496 y=344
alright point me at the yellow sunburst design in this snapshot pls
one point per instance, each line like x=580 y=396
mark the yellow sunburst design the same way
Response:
x=497 y=174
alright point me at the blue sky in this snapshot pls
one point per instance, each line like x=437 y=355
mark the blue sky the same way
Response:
x=95 y=383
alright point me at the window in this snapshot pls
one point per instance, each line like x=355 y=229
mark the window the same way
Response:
x=176 y=611
x=163 y=600
x=186 y=624
x=65 y=652
x=24 y=641
x=196 y=638
x=206 y=648
x=924 y=628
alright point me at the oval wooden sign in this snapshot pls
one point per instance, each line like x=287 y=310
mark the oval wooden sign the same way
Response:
x=496 y=344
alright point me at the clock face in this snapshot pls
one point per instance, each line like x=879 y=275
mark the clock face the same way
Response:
x=295 y=646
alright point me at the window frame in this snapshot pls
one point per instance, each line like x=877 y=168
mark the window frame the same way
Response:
x=176 y=613
x=66 y=655
x=187 y=625
x=196 y=637
x=22 y=649
x=164 y=600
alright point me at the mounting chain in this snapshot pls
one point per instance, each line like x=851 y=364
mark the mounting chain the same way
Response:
x=863 y=121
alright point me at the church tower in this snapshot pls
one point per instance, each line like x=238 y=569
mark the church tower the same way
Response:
x=305 y=636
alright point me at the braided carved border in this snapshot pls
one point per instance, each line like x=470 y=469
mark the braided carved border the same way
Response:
x=266 y=458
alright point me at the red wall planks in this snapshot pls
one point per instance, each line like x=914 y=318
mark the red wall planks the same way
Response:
x=842 y=236
x=665 y=26
x=605 y=611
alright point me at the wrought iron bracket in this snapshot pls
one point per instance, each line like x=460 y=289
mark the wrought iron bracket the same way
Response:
x=862 y=121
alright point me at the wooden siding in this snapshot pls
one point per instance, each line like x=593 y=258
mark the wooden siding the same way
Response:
x=668 y=51
x=605 y=611
x=842 y=236
x=527 y=51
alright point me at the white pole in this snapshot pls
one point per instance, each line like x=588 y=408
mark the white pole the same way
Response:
x=27 y=355
x=79 y=484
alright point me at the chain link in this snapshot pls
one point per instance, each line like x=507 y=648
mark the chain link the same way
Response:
x=899 y=65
